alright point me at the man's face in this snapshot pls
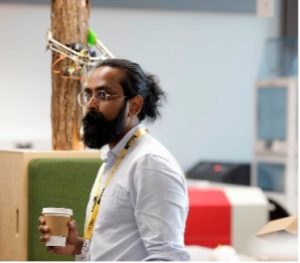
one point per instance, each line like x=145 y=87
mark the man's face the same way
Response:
x=104 y=120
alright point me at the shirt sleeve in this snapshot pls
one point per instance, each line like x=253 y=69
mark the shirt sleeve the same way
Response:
x=81 y=257
x=161 y=206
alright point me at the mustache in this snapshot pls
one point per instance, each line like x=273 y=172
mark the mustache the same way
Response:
x=93 y=117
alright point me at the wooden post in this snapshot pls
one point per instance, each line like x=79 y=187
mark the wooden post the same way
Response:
x=69 y=23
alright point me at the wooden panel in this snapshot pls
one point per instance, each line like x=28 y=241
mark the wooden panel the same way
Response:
x=10 y=173
x=14 y=197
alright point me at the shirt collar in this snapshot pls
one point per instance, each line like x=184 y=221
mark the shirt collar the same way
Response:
x=114 y=152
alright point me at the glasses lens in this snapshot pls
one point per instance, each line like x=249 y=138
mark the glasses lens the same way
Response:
x=102 y=95
x=82 y=99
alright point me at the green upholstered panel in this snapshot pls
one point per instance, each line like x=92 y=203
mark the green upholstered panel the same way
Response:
x=57 y=183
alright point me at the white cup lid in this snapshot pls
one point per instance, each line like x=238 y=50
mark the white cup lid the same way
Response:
x=57 y=210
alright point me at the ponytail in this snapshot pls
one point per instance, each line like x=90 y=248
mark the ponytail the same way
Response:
x=153 y=100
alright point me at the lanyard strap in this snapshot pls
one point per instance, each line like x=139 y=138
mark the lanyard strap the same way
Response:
x=98 y=194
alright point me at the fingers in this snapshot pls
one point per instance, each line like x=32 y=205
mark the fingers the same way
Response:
x=42 y=220
x=45 y=238
x=44 y=230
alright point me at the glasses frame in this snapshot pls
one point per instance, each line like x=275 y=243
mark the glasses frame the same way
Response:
x=96 y=95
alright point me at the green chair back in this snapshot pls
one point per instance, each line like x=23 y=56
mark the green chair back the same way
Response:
x=57 y=182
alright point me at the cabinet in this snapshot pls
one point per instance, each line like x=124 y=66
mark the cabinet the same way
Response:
x=275 y=165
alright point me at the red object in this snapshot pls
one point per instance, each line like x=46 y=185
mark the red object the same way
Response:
x=217 y=168
x=209 y=218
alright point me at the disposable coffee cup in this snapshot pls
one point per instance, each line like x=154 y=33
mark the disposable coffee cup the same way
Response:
x=57 y=220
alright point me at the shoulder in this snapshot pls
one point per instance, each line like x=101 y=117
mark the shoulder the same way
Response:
x=153 y=163
x=150 y=153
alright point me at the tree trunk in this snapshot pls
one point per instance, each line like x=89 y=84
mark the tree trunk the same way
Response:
x=69 y=22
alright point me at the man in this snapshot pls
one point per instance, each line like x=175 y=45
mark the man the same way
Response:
x=138 y=205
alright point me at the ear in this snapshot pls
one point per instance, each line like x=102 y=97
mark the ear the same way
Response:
x=135 y=105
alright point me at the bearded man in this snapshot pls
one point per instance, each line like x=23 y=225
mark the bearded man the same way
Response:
x=138 y=205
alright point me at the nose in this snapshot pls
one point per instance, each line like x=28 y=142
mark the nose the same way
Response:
x=92 y=104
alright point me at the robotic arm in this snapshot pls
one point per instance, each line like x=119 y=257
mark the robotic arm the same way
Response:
x=82 y=58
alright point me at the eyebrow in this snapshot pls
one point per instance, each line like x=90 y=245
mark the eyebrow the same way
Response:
x=106 y=88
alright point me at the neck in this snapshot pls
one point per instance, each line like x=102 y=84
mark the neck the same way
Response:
x=127 y=128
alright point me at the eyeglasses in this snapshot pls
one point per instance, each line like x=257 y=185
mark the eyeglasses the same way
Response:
x=100 y=95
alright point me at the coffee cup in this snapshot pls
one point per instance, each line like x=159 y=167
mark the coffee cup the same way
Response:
x=57 y=220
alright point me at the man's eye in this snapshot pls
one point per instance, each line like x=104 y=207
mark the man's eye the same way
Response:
x=102 y=94
x=88 y=95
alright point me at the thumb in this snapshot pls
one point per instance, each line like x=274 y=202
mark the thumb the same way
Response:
x=73 y=233
x=72 y=225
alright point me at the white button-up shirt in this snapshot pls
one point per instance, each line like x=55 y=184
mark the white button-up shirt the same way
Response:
x=143 y=211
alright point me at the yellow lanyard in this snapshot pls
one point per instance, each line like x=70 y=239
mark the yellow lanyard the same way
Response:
x=98 y=194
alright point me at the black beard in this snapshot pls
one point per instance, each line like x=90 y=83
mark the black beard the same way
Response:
x=98 y=131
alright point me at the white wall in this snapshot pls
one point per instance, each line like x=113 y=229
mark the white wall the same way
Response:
x=24 y=74
x=207 y=63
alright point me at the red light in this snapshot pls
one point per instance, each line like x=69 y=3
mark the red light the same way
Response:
x=217 y=168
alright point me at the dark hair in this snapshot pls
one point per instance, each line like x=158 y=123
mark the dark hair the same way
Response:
x=137 y=82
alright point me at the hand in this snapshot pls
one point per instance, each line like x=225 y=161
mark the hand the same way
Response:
x=73 y=244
